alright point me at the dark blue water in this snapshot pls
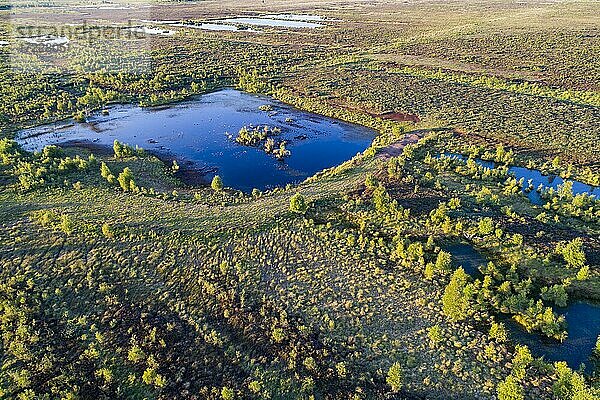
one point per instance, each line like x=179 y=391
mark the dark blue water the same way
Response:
x=466 y=256
x=195 y=133
x=583 y=326
x=583 y=319
x=537 y=179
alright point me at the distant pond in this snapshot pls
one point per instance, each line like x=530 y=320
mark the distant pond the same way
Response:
x=466 y=256
x=537 y=179
x=200 y=135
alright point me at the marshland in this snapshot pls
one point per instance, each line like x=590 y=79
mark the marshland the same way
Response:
x=321 y=199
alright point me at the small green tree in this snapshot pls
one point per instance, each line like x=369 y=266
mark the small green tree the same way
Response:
x=569 y=384
x=521 y=361
x=66 y=224
x=149 y=376
x=278 y=335
x=255 y=387
x=125 y=180
x=117 y=148
x=583 y=273
x=136 y=354
x=310 y=364
x=381 y=199
x=107 y=231
x=342 y=372
x=217 y=184
x=298 y=204
x=104 y=170
x=455 y=301
x=500 y=152
x=429 y=271
x=573 y=253
x=556 y=162
x=395 y=377
x=52 y=151
x=46 y=217
x=124 y=150
x=370 y=182
x=556 y=293
x=485 y=226
x=435 y=335
x=227 y=393
x=443 y=262
x=509 y=389
x=498 y=332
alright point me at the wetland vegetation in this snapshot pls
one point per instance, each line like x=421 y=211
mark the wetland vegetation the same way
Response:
x=362 y=200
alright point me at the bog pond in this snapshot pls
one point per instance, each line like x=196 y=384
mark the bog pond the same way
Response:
x=274 y=22
x=583 y=326
x=200 y=135
x=583 y=319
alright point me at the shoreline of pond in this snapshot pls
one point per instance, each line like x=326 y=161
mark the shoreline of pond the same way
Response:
x=325 y=141
x=579 y=346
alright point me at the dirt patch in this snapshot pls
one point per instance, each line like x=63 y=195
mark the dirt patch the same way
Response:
x=191 y=175
x=400 y=117
x=420 y=204
x=95 y=148
x=395 y=149
x=388 y=115
x=552 y=234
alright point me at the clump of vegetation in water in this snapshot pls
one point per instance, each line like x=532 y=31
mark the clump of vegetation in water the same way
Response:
x=281 y=152
x=254 y=136
x=263 y=136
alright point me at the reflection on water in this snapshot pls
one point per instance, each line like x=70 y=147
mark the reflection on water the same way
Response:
x=537 y=179
x=466 y=256
x=198 y=134
x=583 y=319
x=277 y=23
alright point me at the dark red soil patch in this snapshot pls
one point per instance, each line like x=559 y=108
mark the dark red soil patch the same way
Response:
x=400 y=117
